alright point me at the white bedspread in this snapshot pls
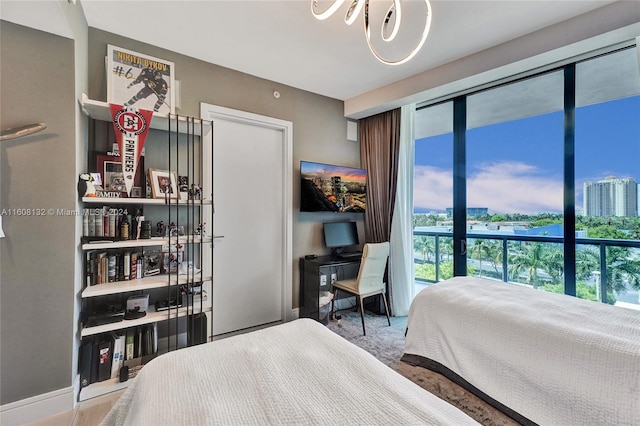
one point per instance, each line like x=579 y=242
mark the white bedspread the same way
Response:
x=296 y=373
x=555 y=359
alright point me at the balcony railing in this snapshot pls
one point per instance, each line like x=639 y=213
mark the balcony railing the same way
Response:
x=510 y=263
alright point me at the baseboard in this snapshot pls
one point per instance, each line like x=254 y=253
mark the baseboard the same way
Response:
x=37 y=407
x=294 y=314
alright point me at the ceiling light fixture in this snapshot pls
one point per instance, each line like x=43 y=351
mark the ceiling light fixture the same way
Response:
x=393 y=14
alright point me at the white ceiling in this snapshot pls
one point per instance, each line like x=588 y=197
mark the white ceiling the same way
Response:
x=281 y=41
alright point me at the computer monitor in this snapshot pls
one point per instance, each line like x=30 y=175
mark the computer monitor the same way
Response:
x=338 y=235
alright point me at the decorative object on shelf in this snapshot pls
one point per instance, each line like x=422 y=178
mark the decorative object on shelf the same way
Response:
x=393 y=15
x=131 y=127
x=18 y=132
x=137 y=306
x=163 y=184
x=194 y=192
x=183 y=187
x=141 y=80
x=200 y=230
x=152 y=262
x=91 y=187
x=145 y=230
x=109 y=167
x=160 y=228
x=172 y=257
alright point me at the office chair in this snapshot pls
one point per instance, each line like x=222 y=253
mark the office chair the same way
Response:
x=369 y=281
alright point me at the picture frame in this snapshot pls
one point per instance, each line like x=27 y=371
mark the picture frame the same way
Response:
x=164 y=184
x=183 y=187
x=109 y=167
x=140 y=80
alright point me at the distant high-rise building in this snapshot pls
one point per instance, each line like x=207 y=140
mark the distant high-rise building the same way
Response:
x=611 y=197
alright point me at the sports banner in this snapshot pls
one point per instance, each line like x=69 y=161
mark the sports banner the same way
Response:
x=131 y=127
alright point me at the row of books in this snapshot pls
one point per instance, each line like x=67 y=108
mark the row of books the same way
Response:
x=107 y=266
x=103 y=357
x=112 y=223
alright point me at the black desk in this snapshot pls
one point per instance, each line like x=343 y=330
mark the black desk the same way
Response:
x=314 y=289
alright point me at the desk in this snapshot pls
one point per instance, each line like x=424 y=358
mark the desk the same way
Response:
x=314 y=290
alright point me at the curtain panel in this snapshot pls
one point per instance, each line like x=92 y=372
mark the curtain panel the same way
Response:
x=379 y=150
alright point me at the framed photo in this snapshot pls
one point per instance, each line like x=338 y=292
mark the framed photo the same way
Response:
x=164 y=184
x=110 y=169
x=140 y=80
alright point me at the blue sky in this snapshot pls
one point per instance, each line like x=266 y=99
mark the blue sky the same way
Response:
x=516 y=166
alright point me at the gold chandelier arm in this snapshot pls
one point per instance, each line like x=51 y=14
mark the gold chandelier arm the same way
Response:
x=423 y=38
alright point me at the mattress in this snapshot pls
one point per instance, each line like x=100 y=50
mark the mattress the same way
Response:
x=551 y=358
x=294 y=373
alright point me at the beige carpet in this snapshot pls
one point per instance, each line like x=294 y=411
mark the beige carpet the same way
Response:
x=387 y=344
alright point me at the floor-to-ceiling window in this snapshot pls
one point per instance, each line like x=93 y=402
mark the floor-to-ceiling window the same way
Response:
x=607 y=175
x=550 y=166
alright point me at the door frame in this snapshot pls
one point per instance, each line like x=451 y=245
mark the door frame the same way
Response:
x=213 y=112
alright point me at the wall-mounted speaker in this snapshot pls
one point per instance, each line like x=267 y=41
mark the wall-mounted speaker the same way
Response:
x=352 y=131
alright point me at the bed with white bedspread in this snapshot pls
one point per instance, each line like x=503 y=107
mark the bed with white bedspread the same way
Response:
x=552 y=358
x=297 y=373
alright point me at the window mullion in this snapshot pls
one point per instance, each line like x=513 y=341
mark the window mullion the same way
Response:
x=569 y=180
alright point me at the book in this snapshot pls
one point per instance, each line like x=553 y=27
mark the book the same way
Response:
x=117 y=353
x=112 y=272
x=94 y=361
x=92 y=225
x=126 y=263
x=134 y=266
x=130 y=341
x=104 y=359
x=86 y=358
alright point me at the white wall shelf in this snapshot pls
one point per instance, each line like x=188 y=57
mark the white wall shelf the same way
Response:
x=99 y=110
x=145 y=201
x=106 y=243
x=146 y=283
x=151 y=317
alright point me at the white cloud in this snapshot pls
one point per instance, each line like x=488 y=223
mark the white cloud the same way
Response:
x=503 y=187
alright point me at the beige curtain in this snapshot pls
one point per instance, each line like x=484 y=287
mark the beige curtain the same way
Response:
x=379 y=151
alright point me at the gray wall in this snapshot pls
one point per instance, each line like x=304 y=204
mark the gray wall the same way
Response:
x=38 y=254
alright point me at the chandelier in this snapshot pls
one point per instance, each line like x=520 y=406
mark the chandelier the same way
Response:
x=393 y=14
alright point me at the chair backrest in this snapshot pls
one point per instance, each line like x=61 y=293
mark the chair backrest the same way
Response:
x=374 y=262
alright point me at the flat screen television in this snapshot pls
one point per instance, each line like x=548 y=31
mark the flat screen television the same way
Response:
x=330 y=188
x=339 y=235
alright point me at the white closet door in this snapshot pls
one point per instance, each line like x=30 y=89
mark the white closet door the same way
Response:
x=252 y=219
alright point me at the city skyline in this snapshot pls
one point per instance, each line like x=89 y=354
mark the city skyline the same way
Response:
x=517 y=166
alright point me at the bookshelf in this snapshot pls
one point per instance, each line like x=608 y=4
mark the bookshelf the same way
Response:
x=180 y=283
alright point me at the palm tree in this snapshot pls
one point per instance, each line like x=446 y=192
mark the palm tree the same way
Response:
x=493 y=251
x=425 y=246
x=528 y=259
x=476 y=248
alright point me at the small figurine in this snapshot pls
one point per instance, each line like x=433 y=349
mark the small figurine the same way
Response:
x=194 y=192
x=200 y=230
x=90 y=189
x=160 y=228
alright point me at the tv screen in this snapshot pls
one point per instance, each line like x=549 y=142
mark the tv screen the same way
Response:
x=340 y=234
x=329 y=188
